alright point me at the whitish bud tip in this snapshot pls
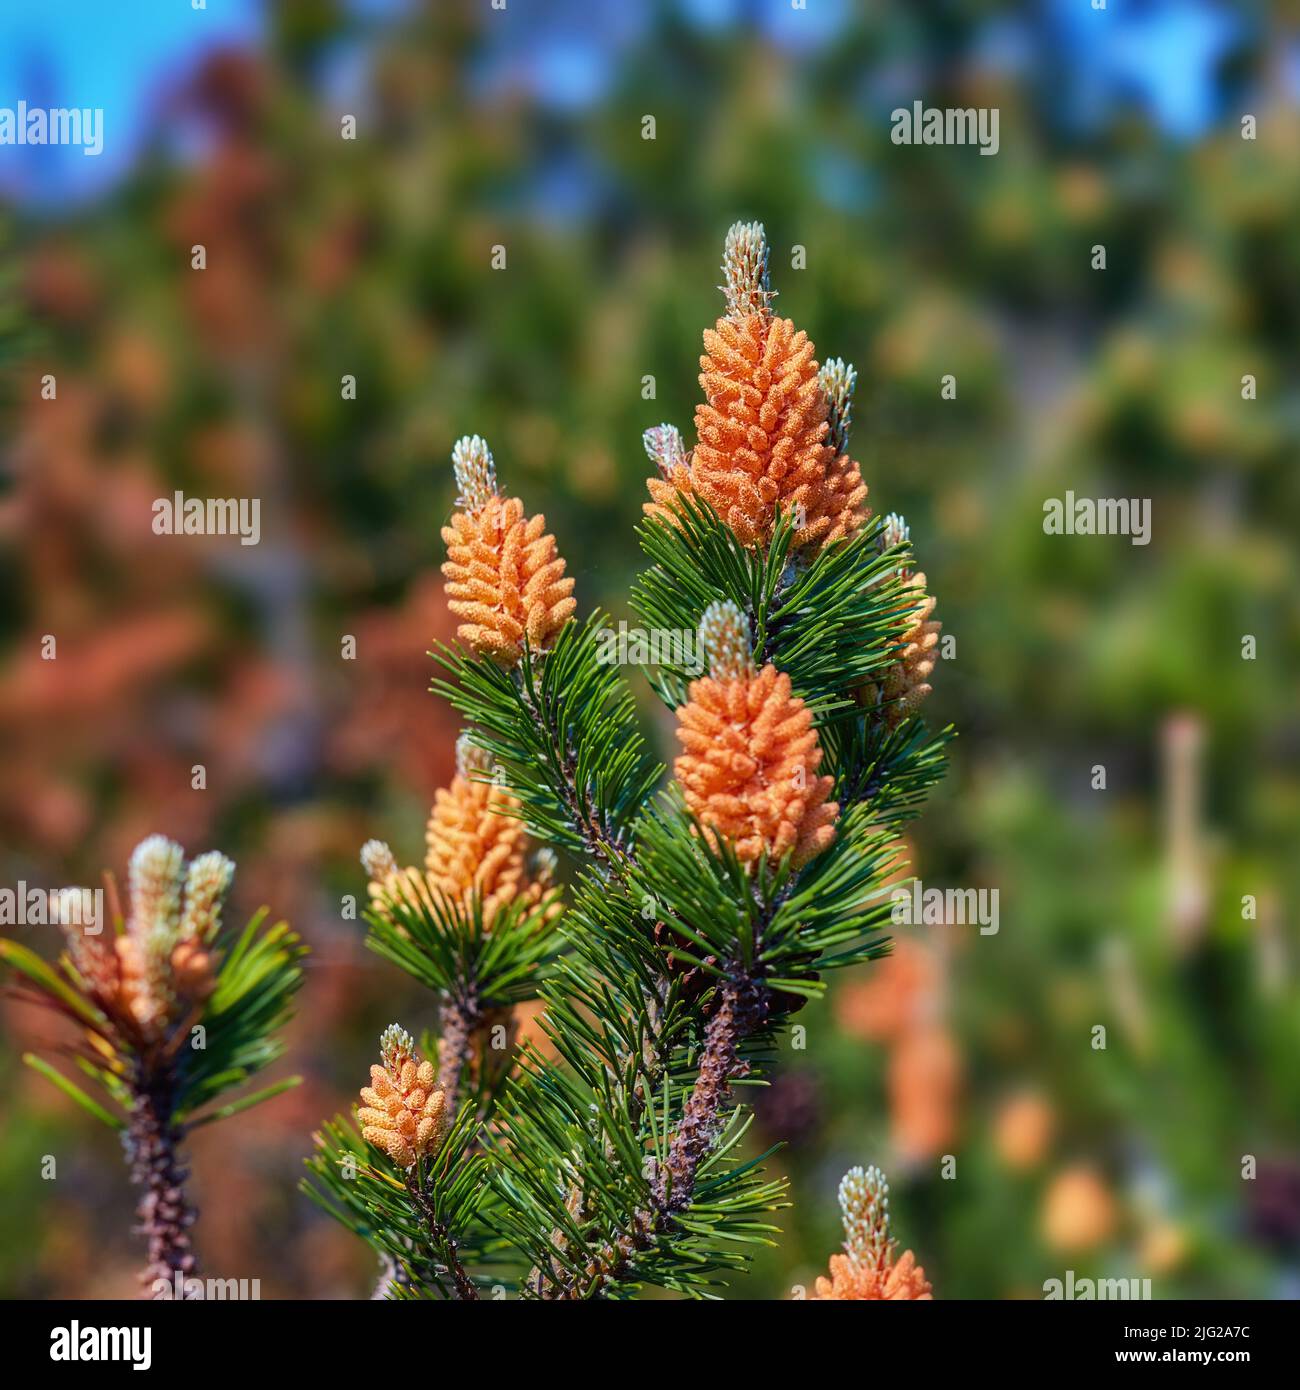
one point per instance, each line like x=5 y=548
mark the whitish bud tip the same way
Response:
x=476 y=474
x=838 y=379
x=206 y=884
x=210 y=874
x=377 y=860
x=470 y=758
x=663 y=443
x=864 y=1205
x=157 y=858
x=396 y=1046
x=724 y=637
x=157 y=880
x=894 y=531
x=745 y=270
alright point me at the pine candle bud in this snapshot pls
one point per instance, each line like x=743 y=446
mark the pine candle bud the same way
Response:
x=907 y=682
x=663 y=444
x=744 y=265
x=724 y=635
x=206 y=884
x=403 y=1110
x=894 y=532
x=475 y=472
x=396 y=1047
x=748 y=769
x=162 y=962
x=844 y=494
x=157 y=880
x=867 y=1270
x=764 y=429
x=664 y=447
x=474 y=844
x=504 y=578
x=386 y=880
x=864 y=1209
x=378 y=861
x=838 y=379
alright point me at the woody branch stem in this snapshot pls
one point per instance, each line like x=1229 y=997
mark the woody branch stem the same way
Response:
x=443 y=1241
x=741 y=1011
x=457 y=1023
x=165 y=1215
x=576 y=800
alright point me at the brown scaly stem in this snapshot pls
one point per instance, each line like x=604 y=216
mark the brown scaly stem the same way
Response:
x=548 y=1283
x=165 y=1214
x=741 y=1012
x=457 y=1022
x=443 y=1242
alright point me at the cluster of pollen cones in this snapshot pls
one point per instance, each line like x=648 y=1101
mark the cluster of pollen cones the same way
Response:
x=504 y=578
x=763 y=431
x=475 y=846
x=748 y=769
x=772 y=444
x=478 y=857
x=769 y=428
x=152 y=973
x=403 y=1111
x=772 y=441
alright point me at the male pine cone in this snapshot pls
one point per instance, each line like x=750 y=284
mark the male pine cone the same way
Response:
x=474 y=843
x=748 y=769
x=403 y=1110
x=767 y=436
x=504 y=577
x=906 y=683
x=762 y=436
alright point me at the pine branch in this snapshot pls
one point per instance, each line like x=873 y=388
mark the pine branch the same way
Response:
x=740 y=1013
x=477 y=969
x=426 y=1213
x=164 y=1211
x=598 y=837
x=702 y=918
x=561 y=729
x=176 y=1012
x=892 y=768
x=441 y=1241
x=831 y=623
x=457 y=1022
